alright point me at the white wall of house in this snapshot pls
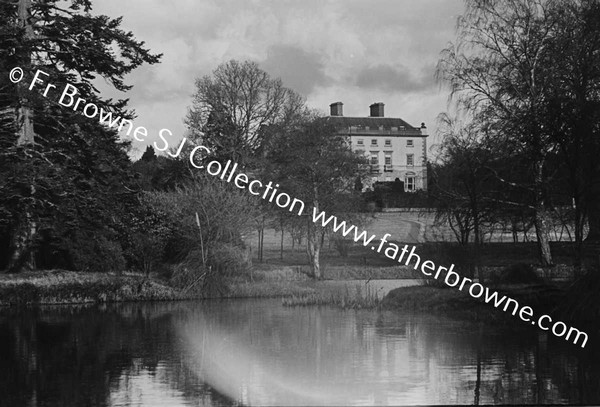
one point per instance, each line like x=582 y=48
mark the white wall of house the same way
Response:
x=394 y=156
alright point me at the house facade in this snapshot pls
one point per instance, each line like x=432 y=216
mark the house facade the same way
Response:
x=395 y=149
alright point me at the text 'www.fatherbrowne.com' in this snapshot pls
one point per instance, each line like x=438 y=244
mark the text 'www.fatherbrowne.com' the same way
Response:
x=407 y=255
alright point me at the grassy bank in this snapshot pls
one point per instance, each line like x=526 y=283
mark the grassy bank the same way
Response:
x=452 y=302
x=68 y=287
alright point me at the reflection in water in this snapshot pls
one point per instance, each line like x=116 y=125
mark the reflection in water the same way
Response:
x=258 y=352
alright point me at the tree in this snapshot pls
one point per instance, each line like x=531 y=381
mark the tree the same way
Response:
x=500 y=71
x=314 y=163
x=462 y=179
x=61 y=171
x=232 y=107
x=539 y=108
x=149 y=154
x=574 y=103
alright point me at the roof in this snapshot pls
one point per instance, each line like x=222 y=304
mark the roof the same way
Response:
x=386 y=122
x=374 y=124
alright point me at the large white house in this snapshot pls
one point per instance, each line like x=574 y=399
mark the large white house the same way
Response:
x=395 y=149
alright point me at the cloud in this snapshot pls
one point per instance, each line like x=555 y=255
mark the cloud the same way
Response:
x=394 y=78
x=300 y=70
x=357 y=51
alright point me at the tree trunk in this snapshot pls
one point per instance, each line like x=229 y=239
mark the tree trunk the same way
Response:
x=541 y=217
x=22 y=238
x=313 y=249
x=24 y=115
x=281 y=246
x=541 y=232
x=593 y=208
x=313 y=246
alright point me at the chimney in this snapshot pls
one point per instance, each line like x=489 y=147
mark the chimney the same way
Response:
x=337 y=109
x=377 y=109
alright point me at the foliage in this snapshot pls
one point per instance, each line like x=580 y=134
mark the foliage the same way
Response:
x=315 y=164
x=96 y=253
x=464 y=180
x=519 y=273
x=149 y=154
x=162 y=173
x=529 y=108
x=234 y=105
x=204 y=224
x=61 y=173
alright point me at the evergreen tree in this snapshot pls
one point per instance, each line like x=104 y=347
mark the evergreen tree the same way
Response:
x=149 y=154
x=64 y=177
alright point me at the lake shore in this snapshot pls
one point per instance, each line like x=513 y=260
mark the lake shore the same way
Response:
x=68 y=287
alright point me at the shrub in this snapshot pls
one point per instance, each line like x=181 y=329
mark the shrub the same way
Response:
x=95 y=253
x=206 y=276
x=229 y=259
x=517 y=274
x=446 y=254
x=146 y=251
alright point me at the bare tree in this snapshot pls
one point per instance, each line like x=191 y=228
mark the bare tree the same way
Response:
x=316 y=164
x=499 y=71
x=246 y=99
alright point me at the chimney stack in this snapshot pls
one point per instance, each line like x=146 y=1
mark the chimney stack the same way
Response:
x=337 y=109
x=377 y=109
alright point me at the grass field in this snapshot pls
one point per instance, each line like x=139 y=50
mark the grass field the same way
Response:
x=433 y=241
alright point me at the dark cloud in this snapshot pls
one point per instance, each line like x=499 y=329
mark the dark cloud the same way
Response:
x=297 y=68
x=395 y=78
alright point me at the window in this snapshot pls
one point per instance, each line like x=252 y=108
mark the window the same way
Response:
x=388 y=143
x=409 y=143
x=410 y=159
x=387 y=161
x=374 y=142
x=374 y=157
x=361 y=152
x=409 y=183
x=360 y=142
x=374 y=162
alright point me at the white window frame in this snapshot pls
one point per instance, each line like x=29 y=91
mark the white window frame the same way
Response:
x=410 y=183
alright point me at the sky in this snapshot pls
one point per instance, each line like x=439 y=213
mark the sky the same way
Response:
x=355 y=51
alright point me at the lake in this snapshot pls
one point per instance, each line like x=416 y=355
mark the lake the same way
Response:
x=257 y=352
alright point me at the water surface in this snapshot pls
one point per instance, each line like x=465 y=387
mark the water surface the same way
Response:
x=258 y=352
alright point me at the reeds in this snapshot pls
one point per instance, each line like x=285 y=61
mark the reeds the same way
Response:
x=346 y=298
